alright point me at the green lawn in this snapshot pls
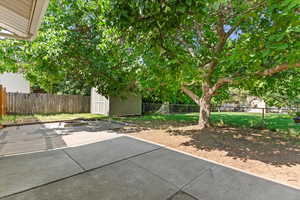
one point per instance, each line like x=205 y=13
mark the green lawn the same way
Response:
x=274 y=122
x=49 y=117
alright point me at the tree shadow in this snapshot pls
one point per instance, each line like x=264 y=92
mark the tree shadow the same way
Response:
x=46 y=136
x=138 y=126
x=265 y=146
x=28 y=136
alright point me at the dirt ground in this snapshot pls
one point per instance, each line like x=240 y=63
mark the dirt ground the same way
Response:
x=268 y=154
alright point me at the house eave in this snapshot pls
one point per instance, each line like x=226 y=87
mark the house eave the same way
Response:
x=21 y=19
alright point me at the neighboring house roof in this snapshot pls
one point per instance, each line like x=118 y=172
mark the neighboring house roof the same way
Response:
x=21 y=19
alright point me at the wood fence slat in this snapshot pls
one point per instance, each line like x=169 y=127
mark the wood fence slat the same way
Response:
x=18 y=103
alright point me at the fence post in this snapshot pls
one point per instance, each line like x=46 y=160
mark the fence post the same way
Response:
x=263 y=115
x=2 y=101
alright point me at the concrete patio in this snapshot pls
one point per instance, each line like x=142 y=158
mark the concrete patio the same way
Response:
x=46 y=136
x=127 y=168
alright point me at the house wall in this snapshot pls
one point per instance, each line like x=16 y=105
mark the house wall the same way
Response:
x=15 y=82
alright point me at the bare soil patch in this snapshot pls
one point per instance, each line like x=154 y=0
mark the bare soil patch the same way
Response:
x=265 y=153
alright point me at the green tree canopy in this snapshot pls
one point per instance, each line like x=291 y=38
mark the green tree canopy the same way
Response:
x=206 y=47
x=73 y=52
x=158 y=48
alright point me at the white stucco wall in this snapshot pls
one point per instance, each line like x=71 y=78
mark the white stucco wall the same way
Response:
x=15 y=82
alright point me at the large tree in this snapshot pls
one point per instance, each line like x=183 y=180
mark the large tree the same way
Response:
x=160 y=47
x=203 y=47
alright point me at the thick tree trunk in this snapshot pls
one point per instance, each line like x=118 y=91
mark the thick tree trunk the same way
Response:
x=204 y=102
x=204 y=114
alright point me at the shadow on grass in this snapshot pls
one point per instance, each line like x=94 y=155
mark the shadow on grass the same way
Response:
x=273 y=122
x=264 y=146
x=147 y=122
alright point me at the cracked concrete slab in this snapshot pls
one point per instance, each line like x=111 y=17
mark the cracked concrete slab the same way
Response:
x=177 y=168
x=80 y=187
x=105 y=152
x=182 y=196
x=227 y=184
x=119 y=181
x=125 y=180
x=22 y=172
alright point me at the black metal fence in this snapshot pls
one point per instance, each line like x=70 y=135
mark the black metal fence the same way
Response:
x=149 y=108
x=173 y=108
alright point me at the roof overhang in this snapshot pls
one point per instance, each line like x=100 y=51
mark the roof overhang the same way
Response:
x=20 y=19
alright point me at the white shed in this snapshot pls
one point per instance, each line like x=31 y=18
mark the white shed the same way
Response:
x=114 y=105
x=15 y=82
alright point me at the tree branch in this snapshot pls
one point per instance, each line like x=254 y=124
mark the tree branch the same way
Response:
x=247 y=11
x=219 y=46
x=223 y=36
x=188 y=48
x=211 y=68
x=198 y=28
x=191 y=94
x=278 y=68
x=184 y=43
x=233 y=28
x=220 y=83
x=221 y=33
x=268 y=72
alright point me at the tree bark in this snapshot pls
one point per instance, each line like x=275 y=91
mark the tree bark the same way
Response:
x=204 y=114
x=205 y=104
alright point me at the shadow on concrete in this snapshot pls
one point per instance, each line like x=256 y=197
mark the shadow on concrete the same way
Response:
x=29 y=138
x=39 y=137
x=265 y=146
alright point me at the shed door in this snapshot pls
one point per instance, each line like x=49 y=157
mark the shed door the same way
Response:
x=100 y=107
x=99 y=103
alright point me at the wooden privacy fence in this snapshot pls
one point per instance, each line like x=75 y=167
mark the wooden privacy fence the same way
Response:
x=2 y=101
x=18 y=103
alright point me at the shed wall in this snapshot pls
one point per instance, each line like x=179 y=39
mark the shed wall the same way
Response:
x=116 y=106
x=131 y=105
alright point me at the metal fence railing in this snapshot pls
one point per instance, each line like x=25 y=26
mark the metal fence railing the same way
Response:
x=148 y=108
x=275 y=118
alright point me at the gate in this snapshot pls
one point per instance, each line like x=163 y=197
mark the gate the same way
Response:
x=99 y=103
